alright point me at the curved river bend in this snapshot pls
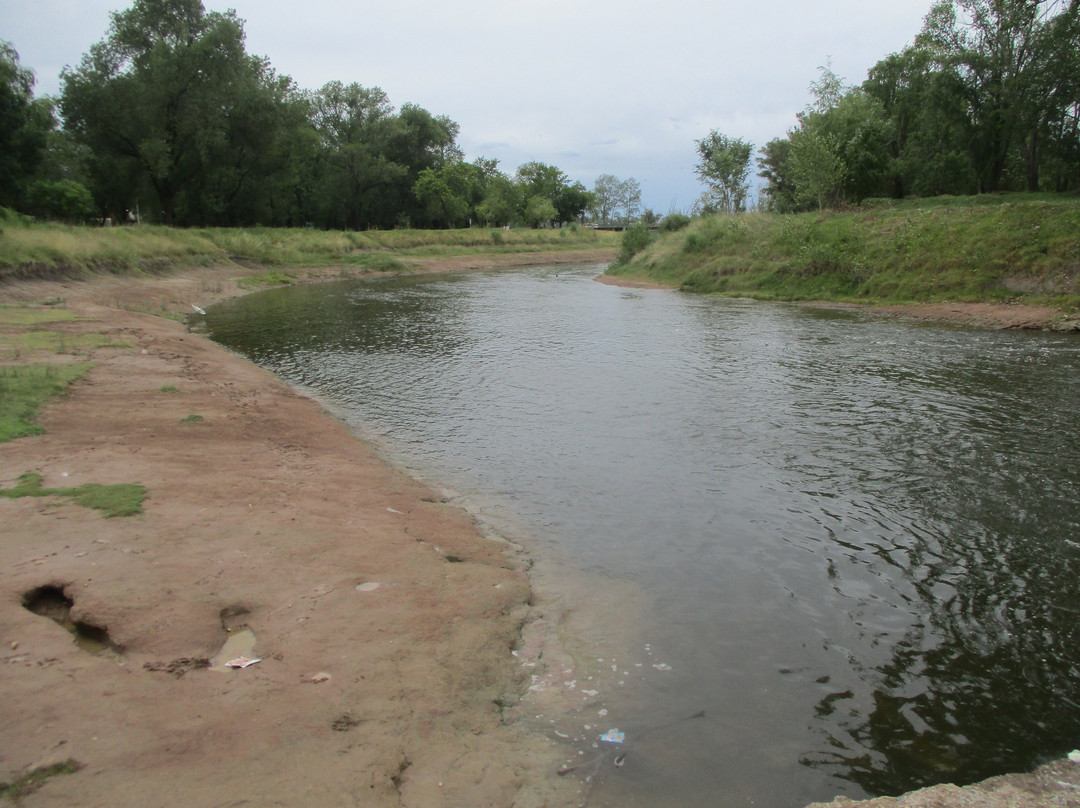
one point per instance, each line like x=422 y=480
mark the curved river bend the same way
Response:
x=854 y=541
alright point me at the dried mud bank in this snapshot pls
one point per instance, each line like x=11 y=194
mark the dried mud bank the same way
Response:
x=383 y=621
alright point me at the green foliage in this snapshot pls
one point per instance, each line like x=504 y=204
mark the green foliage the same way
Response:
x=986 y=99
x=24 y=127
x=634 y=239
x=674 y=222
x=723 y=166
x=967 y=249
x=66 y=200
x=25 y=389
x=124 y=499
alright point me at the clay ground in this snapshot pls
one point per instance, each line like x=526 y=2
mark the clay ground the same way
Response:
x=265 y=512
x=268 y=513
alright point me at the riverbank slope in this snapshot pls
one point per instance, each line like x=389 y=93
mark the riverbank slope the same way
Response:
x=383 y=619
x=948 y=259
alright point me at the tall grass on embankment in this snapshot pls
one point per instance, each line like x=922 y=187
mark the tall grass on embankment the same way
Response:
x=979 y=249
x=44 y=249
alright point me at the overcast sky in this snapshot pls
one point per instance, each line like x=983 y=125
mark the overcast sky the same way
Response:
x=592 y=86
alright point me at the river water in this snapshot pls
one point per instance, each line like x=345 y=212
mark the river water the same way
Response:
x=812 y=552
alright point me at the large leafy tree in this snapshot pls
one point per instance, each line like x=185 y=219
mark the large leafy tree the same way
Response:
x=25 y=124
x=1016 y=61
x=171 y=99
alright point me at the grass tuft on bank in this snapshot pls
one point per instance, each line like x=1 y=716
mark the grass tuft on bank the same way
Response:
x=122 y=499
x=979 y=249
x=24 y=390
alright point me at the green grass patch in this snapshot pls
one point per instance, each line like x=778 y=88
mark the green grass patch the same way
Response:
x=26 y=784
x=24 y=389
x=168 y=388
x=990 y=249
x=267 y=279
x=192 y=419
x=34 y=315
x=123 y=499
x=57 y=342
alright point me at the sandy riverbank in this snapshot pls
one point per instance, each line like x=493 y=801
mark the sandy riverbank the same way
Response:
x=266 y=512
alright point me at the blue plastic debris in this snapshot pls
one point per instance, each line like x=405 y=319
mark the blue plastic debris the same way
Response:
x=613 y=736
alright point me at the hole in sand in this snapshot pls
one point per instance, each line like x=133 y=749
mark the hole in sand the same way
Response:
x=52 y=602
x=234 y=618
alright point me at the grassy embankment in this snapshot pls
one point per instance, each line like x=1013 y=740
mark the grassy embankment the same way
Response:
x=39 y=250
x=990 y=249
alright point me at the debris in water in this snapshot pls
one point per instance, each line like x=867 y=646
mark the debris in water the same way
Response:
x=613 y=736
x=620 y=759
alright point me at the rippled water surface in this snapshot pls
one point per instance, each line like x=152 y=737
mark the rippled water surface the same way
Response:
x=857 y=539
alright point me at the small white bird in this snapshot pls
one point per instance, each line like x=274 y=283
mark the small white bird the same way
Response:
x=197 y=309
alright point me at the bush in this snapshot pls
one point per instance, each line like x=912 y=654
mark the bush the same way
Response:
x=634 y=239
x=674 y=221
x=61 y=199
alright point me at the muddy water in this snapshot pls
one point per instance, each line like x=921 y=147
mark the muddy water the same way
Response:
x=803 y=553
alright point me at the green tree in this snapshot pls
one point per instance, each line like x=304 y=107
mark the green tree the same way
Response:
x=1017 y=62
x=501 y=202
x=816 y=167
x=24 y=127
x=723 y=165
x=172 y=98
x=354 y=174
x=539 y=211
x=452 y=192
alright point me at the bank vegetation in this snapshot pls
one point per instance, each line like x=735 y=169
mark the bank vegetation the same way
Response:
x=40 y=249
x=1022 y=248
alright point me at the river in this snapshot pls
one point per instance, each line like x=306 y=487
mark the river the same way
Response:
x=806 y=552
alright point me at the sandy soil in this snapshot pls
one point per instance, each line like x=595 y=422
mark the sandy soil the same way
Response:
x=267 y=514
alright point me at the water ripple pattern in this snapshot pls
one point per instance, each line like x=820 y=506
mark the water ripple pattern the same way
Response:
x=860 y=536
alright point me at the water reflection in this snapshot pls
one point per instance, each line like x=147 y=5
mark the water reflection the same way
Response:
x=858 y=537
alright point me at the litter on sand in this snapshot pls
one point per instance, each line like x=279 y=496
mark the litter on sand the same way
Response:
x=241 y=662
x=613 y=736
x=1074 y=756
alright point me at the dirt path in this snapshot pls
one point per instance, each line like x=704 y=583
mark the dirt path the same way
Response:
x=383 y=619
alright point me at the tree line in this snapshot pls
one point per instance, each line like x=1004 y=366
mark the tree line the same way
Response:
x=168 y=118
x=986 y=99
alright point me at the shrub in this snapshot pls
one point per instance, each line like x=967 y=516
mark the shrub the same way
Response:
x=634 y=239
x=61 y=199
x=674 y=221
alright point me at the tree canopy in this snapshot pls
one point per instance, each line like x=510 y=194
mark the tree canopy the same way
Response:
x=171 y=116
x=986 y=99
